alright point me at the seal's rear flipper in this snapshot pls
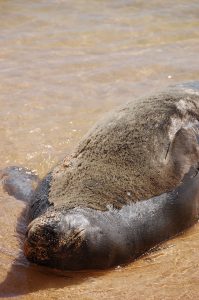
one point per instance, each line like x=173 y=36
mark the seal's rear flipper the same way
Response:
x=19 y=182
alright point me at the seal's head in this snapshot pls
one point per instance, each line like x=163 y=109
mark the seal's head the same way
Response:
x=75 y=239
x=56 y=240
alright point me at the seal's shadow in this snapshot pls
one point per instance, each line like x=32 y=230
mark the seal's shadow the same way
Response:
x=24 y=277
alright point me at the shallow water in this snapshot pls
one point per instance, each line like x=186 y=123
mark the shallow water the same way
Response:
x=63 y=64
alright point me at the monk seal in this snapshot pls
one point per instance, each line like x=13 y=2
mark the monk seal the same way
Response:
x=131 y=183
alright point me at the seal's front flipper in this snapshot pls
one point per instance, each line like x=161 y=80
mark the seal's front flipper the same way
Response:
x=19 y=182
x=184 y=150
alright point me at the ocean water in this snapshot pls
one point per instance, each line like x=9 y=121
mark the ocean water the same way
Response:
x=63 y=64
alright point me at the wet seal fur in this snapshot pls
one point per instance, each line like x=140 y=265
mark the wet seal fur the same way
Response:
x=131 y=183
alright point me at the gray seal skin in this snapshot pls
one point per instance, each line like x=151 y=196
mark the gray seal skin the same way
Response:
x=131 y=183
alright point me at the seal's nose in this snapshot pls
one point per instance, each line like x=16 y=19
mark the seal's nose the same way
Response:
x=42 y=239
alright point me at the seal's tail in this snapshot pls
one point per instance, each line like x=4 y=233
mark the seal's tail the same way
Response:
x=19 y=182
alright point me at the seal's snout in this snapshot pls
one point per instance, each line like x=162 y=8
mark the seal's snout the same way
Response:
x=41 y=239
